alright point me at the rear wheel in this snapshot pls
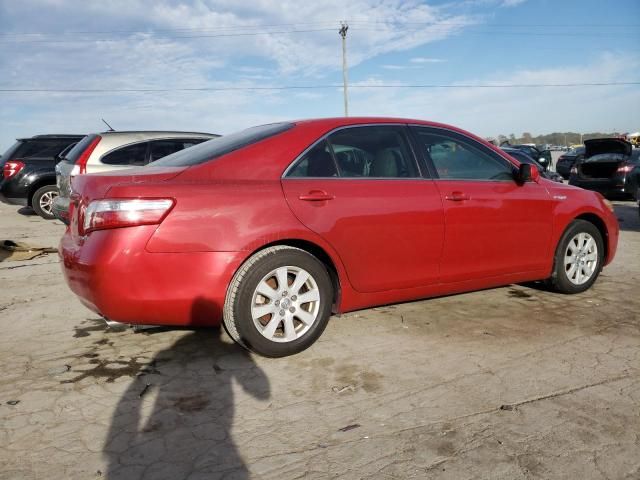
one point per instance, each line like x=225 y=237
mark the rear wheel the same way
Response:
x=279 y=302
x=578 y=259
x=42 y=201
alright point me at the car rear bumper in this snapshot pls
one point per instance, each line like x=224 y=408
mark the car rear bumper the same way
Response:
x=116 y=277
x=60 y=209
x=9 y=194
x=607 y=187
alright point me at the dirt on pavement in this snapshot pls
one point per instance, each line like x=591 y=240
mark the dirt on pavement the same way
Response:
x=509 y=383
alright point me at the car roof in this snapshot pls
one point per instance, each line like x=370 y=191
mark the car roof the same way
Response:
x=155 y=133
x=331 y=123
x=52 y=136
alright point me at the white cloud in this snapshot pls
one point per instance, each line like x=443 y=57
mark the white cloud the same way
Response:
x=491 y=111
x=426 y=60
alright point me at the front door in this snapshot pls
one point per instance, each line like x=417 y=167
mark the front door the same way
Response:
x=494 y=226
x=361 y=190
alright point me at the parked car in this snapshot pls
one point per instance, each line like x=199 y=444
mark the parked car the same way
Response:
x=543 y=157
x=102 y=152
x=632 y=183
x=522 y=157
x=271 y=229
x=566 y=161
x=605 y=166
x=28 y=175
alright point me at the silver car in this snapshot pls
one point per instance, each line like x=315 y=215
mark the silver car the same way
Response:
x=102 y=152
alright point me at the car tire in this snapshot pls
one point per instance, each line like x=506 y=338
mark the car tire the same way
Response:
x=578 y=259
x=267 y=314
x=42 y=201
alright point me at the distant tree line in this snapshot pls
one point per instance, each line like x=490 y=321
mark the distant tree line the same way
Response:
x=556 y=138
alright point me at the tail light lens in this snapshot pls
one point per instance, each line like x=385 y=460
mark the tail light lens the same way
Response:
x=11 y=168
x=625 y=168
x=81 y=164
x=104 y=214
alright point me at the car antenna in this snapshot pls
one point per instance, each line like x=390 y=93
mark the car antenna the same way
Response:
x=110 y=127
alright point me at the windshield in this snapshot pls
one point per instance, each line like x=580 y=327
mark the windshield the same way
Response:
x=221 y=146
x=576 y=151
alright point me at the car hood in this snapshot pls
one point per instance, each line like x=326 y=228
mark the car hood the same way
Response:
x=600 y=146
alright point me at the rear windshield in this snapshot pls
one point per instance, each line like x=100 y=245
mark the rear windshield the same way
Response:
x=221 y=146
x=12 y=149
x=73 y=155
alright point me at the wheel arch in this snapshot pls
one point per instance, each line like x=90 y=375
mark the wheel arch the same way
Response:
x=601 y=226
x=39 y=183
x=321 y=254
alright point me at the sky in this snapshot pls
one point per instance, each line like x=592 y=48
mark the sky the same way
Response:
x=89 y=60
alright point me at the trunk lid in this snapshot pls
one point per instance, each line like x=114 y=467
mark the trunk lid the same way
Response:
x=601 y=146
x=603 y=157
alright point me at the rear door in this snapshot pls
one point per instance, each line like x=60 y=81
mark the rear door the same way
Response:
x=493 y=225
x=360 y=188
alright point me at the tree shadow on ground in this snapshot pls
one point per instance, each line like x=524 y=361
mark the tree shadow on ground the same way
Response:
x=175 y=421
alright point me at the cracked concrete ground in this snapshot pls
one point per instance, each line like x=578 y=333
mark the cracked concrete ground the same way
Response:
x=508 y=383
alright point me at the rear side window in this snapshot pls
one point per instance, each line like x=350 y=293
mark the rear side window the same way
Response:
x=373 y=151
x=379 y=151
x=74 y=154
x=635 y=155
x=162 y=148
x=135 y=155
x=41 y=148
x=316 y=163
x=218 y=147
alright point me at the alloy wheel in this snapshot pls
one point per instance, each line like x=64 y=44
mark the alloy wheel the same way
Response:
x=285 y=304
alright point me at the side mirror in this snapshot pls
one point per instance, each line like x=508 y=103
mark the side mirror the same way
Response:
x=527 y=173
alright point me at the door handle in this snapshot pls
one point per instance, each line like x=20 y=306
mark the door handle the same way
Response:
x=457 y=197
x=316 y=196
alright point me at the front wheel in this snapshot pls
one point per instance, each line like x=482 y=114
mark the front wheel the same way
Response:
x=578 y=259
x=279 y=302
x=42 y=201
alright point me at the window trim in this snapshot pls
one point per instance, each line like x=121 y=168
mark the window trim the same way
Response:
x=403 y=126
x=482 y=148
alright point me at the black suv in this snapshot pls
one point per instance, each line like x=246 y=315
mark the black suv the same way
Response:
x=28 y=175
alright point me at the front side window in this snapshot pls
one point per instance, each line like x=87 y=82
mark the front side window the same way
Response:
x=135 y=154
x=458 y=158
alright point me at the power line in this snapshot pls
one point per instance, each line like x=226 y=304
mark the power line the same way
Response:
x=310 y=87
x=354 y=22
x=243 y=34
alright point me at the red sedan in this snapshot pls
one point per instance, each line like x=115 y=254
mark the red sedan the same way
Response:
x=271 y=229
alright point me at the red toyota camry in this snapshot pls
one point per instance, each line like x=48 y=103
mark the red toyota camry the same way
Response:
x=271 y=229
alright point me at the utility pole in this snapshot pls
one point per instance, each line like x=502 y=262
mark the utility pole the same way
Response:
x=343 y=33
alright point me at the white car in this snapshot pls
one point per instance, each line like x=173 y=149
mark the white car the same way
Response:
x=102 y=152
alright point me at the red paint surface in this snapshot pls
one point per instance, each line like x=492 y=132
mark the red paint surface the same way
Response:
x=389 y=240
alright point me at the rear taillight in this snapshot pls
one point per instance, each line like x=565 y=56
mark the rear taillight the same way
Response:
x=117 y=213
x=11 y=168
x=574 y=170
x=625 y=168
x=81 y=164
